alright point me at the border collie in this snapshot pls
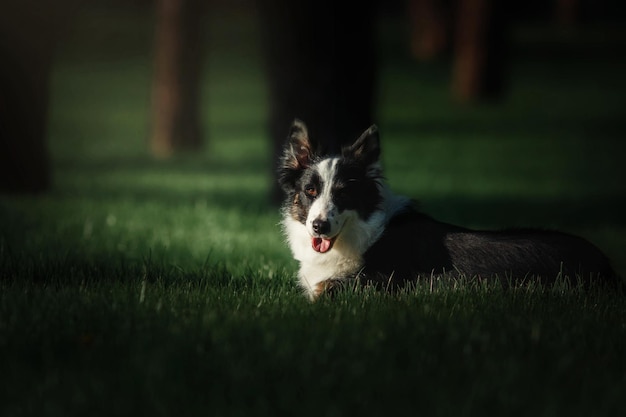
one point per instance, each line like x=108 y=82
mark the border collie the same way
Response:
x=344 y=225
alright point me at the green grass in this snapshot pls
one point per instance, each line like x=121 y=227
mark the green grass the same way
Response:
x=145 y=287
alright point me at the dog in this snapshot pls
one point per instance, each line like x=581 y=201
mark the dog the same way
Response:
x=344 y=225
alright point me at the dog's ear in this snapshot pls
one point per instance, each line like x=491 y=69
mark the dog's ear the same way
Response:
x=366 y=148
x=298 y=152
x=298 y=155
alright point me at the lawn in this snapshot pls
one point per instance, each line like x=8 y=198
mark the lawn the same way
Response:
x=138 y=286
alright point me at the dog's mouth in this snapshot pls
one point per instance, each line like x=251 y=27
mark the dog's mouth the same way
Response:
x=322 y=244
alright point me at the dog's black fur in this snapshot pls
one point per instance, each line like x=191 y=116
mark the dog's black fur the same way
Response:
x=415 y=244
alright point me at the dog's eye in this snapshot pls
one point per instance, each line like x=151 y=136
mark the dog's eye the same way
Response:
x=310 y=190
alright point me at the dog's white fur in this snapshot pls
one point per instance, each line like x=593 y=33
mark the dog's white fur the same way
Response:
x=353 y=235
x=323 y=207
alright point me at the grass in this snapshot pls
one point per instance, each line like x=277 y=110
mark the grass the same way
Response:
x=138 y=286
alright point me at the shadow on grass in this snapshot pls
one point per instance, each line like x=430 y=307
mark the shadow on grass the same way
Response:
x=599 y=128
x=542 y=213
x=490 y=211
x=138 y=164
x=244 y=187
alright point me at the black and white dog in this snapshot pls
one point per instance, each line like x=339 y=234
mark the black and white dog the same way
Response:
x=343 y=224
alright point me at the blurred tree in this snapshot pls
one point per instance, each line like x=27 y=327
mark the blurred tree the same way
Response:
x=480 y=49
x=321 y=66
x=477 y=32
x=566 y=12
x=430 y=27
x=29 y=30
x=176 y=83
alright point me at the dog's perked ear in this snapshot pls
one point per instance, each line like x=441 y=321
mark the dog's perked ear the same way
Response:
x=298 y=155
x=366 y=148
x=298 y=151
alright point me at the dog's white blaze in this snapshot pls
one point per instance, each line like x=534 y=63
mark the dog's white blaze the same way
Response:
x=323 y=207
x=354 y=235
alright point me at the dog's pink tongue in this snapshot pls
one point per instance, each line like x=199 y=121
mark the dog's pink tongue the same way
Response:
x=320 y=244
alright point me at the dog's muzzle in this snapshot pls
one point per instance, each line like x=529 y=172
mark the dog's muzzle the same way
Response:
x=320 y=243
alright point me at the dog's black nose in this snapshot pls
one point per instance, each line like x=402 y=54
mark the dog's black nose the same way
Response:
x=321 y=227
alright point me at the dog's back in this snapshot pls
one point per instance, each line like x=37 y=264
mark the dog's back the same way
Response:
x=415 y=245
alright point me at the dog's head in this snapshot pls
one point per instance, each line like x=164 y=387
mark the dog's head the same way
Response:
x=326 y=193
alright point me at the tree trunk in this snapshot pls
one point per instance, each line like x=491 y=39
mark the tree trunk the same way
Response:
x=176 y=84
x=429 y=28
x=28 y=31
x=480 y=51
x=321 y=67
x=567 y=12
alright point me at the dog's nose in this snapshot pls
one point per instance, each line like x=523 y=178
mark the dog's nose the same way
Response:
x=321 y=227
